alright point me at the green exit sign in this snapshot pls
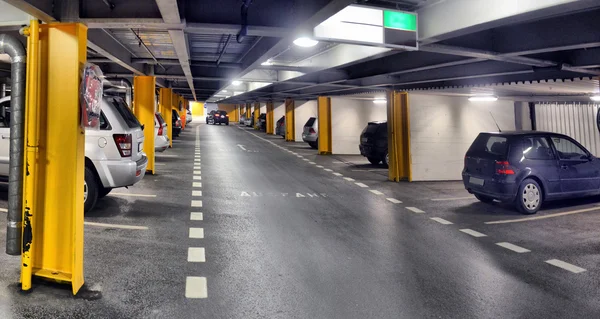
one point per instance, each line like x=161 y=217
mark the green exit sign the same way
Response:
x=400 y=20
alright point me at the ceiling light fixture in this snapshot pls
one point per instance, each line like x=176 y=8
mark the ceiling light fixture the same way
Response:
x=305 y=42
x=224 y=91
x=483 y=98
x=595 y=98
x=379 y=101
x=236 y=82
x=267 y=63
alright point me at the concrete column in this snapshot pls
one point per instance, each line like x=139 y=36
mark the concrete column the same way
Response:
x=324 y=118
x=290 y=122
x=270 y=118
x=398 y=123
x=144 y=98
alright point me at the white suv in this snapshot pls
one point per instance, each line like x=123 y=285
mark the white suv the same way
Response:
x=114 y=154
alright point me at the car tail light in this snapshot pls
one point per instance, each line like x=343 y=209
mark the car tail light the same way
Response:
x=312 y=131
x=504 y=168
x=160 y=130
x=123 y=142
x=178 y=123
x=227 y=115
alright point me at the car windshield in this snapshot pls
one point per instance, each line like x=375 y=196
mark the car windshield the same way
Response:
x=125 y=112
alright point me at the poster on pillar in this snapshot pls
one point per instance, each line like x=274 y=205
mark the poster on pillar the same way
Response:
x=91 y=91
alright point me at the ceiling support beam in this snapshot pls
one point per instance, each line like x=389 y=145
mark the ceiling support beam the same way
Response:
x=31 y=10
x=101 y=42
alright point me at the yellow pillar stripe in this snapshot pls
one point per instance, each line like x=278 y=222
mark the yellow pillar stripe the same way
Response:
x=324 y=118
x=399 y=137
x=144 y=87
x=290 y=123
x=270 y=118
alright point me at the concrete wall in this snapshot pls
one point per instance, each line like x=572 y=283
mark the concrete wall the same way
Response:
x=210 y=107
x=278 y=112
x=303 y=111
x=442 y=128
x=348 y=118
x=263 y=108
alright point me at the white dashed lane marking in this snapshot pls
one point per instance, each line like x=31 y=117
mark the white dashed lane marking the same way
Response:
x=305 y=159
x=196 y=232
x=198 y=178
x=472 y=232
x=328 y=169
x=197 y=167
x=514 y=248
x=395 y=201
x=319 y=166
x=197 y=193
x=196 y=255
x=441 y=221
x=564 y=265
x=131 y=195
x=349 y=179
x=415 y=210
x=337 y=174
x=196 y=216
x=197 y=172
x=313 y=163
x=197 y=184
x=376 y=192
x=196 y=203
x=195 y=287
x=361 y=185
x=118 y=226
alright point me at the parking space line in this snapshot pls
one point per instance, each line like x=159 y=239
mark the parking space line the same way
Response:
x=361 y=185
x=376 y=192
x=452 y=198
x=393 y=200
x=198 y=178
x=196 y=255
x=4 y=210
x=328 y=169
x=564 y=265
x=160 y=164
x=337 y=174
x=415 y=210
x=305 y=159
x=131 y=195
x=195 y=287
x=196 y=193
x=196 y=203
x=196 y=232
x=472 y=232
x=196 y=216
x=349 y=179
x=197 y=172
x=585 y=210
x=514 y=248
x=313 y=163
x=320 y=166
x=441 y=221
x=197 y=184
x=115 y=226
x=197 y=167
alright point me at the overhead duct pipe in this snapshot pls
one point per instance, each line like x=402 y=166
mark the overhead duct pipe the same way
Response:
x=244 y=31
x=14 y=48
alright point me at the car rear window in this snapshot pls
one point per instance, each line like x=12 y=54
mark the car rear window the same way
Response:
x=161 y=120
x=125 y=112
x=222 y=112
x=489 y=146
x=310 y=122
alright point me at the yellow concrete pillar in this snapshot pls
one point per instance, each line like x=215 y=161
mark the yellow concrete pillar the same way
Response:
x=248 y=110
x=54 y=178
x=290 y=122
x=256 y=114
x=182 y=111
x=143 y=99
x=398 y=123
x=270 y=119
x=166 y=102
x=324 y=118
x=197 y=109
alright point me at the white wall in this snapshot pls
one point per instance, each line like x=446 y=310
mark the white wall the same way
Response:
x=442 y=128
x=263 y=108
x=303 y=110
x=278 y=112
x=210 y=107
x=348 y=118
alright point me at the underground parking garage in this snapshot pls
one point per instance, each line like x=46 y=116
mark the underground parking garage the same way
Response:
x=299 y=159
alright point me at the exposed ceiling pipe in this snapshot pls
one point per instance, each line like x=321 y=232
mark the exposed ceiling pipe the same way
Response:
x=147 y=49
x=18 y=57
x=109 y=4
x=244 y=31
x=224 y=48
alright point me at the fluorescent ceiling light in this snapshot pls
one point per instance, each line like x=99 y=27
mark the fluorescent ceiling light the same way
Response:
x=236 y=82
x=379 y=101
x=595 y=98
x=483 y=98
x=224 y=91
x=268 y=62
x=305 y=42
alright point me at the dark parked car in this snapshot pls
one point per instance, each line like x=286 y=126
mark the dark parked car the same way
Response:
x=374 y=143
x=176 y=120
x=280 y=127
x=528 y=168
x=262 y=122
x=218 y=117
x=210 y=115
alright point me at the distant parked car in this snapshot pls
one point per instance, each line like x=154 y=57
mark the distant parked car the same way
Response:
x=374 y=143
x=188 y=117
x=249 y=121
x=176 y=120
x=219 y=117
x=243 y=119
x=310 y=134
x=280 y=127
x=210 y=116
x=262 y=122
x=161 y=140
x=120 y=162
x=528 y=168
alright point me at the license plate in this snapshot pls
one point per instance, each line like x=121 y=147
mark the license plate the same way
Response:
x=140 y=147
x=476 y=181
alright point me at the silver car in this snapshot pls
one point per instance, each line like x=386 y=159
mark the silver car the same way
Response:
x=161 y=140
x=310 y=132
x=114 y=154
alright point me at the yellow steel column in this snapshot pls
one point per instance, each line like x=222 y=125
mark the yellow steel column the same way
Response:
x=270 y=119
x=53 y=207
x=166 y=101
x=398 y=136
x=256 y=114
x=182 y=111
x=144 y=97
x=248 y=110
x=290 y=123
x=324 y=139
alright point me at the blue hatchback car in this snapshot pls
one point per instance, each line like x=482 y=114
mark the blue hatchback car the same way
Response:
x=528 y=168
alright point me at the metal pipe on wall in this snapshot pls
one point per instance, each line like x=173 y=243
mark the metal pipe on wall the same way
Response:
x=14 y=48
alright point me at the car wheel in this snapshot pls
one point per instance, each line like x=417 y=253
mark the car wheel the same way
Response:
x=103 y=191
x=374 y=160
x=484 y=199
x=227 y=123
x=313 y=145
x=530 y=196
x=386 y=159
x=90 y=190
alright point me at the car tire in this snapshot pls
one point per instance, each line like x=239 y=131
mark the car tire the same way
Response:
x=103 y=191
x=483 y=198
x=90 y=190
x=529 y=197
x=386 y=159
x=373 y=160
x=314 y=145
x=227 y=123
